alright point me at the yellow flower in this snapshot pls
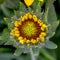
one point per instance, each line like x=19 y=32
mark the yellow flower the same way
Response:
x=28 y=2
x=29 y=29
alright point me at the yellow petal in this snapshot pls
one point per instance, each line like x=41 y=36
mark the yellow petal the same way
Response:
x=33 y=41
x=22 y=41
x=42 y=39
x=17 y=35
x=20 y=38
x=43 y=34
x=35 y=17
x=16 y=23
x=30 y=16
x=15 y=29
x=28 y=2
x=25 y=17
x=28 y=41
x=43 y=27
x=16 y=32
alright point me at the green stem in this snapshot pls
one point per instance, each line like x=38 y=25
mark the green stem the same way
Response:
x=32 y=54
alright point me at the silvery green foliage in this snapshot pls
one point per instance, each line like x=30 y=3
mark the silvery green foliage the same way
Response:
x=11 y=3
x=7 y=6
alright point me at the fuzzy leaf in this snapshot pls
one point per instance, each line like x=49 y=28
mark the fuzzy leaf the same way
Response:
x=9 y=42
x=7 y=20
x=36 y=8
x=48 y=55
x=22 y=49
x=12 y=4
x=6 y=11
x=25 y=49
x=1 y=37
x=5 y=31
x=36 y=1
x=5 y=36
x=50 y=45
x=23 y=7
x=18 y=52
x=50 y=18
x=36 y=51
x=21 y=11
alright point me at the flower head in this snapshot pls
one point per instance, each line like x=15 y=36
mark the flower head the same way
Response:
x=28 y=2
x=29 y=29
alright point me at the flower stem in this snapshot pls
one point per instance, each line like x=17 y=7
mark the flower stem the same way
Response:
x=32 y=54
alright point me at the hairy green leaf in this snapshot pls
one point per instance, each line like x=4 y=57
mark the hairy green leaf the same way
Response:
x=50 y=45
